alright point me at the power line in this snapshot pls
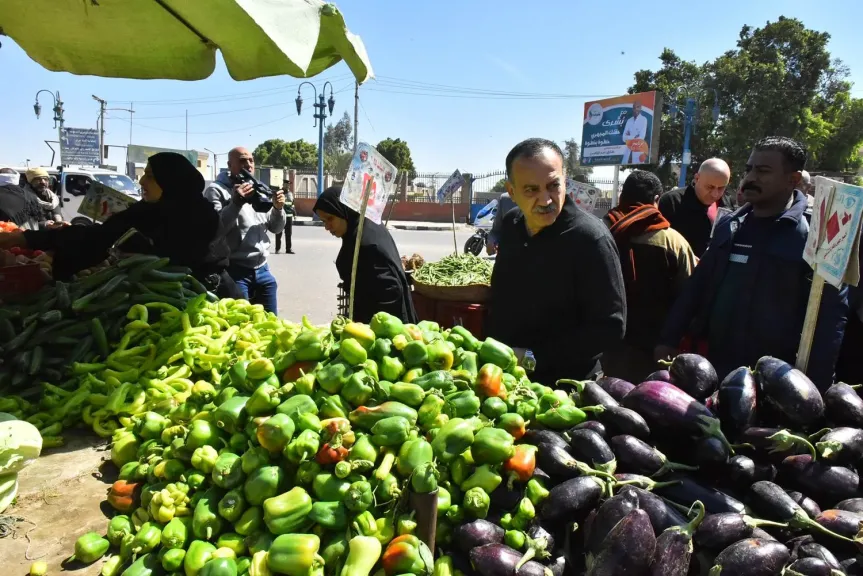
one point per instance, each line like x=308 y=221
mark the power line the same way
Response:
x=139 y=125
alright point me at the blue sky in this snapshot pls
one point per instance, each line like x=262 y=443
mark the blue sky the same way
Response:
x=445 y=69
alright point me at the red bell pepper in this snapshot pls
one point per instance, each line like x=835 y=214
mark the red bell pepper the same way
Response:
x=489 y=382
x=520 y=466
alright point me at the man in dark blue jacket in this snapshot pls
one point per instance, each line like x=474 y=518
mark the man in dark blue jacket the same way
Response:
x=748 y=295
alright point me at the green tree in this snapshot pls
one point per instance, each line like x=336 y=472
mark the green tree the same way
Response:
x=397 y=152
x=572 y=161
x=277 y=152
x=499 y=186
x=338 y=146
x=779 y=80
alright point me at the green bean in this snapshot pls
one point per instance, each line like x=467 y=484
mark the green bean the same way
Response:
x=455 y=270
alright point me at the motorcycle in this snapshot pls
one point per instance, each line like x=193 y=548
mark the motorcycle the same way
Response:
x=482 y=223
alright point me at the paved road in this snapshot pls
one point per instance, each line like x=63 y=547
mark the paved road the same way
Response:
x=308 y=282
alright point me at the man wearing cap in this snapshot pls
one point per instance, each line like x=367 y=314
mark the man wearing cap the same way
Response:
x=38 y=182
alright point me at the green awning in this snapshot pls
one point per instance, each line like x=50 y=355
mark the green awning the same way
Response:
x=178 y=39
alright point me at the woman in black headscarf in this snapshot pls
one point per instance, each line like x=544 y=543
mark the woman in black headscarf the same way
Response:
x=381 y=284
x=18 y=205
x=173 y=220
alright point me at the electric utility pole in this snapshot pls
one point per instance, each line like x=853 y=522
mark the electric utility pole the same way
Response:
x=102 y=106
x=356 y=114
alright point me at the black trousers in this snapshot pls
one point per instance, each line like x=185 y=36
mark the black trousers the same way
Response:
x=289 y=223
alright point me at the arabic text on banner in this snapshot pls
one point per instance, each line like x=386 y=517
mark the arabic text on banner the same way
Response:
x=449 y=187
x=833 y=245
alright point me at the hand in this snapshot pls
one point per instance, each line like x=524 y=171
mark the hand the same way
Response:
x=663 y=352
x=279 y=200
x=491 y=248
x=51 y=225
x=12 y=240
x=242 y=192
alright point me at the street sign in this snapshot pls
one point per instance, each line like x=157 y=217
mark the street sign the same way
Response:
x=79 y=146
x=139 y=154
x=833 y=244
x=368 y=165
x=449 y=187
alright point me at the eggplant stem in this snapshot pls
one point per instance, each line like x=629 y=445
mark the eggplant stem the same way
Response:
x=812 y=524
x=715 y=571
x=744 y=445
x=598 y=409
x=785 y=439
x=758 y=522
x=700 y=511
x=711 y=427
x=828 y=448
x=651 y=484
x=816 y=435
x=577 y=384
x=666 y=363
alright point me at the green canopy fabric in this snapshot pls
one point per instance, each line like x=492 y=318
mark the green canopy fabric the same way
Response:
x=178 y=39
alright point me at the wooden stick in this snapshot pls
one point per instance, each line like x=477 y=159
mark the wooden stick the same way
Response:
x=365 y=204
x=454 y=241
x=810 y=321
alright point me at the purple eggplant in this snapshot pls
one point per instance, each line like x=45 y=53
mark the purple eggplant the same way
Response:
x=843 y=406
x=559 y=462
x=616 y=387
x=594 y=425
x=477 y=533
x=659 y=376
x=777 y=441
x=557 y=566
x=710 y=453
x=788 y=392
x=501 y=560
x=640 y=481
x=841 y=446
x=762 y=534
x=590 y=447
x=506 y=496
x=662 y=514
x=538 y=436
x=841 y=522
x=609 y=514
x=570 y=498
x=851 y=504
x=666 y=407
x=770 y=501
x=808 y=567
x=819 y=551
x=540 y=474
x=693 y=374
x=686 y=491
x=751 y=557
x=634 y=455
x=628 y=548
x=538 y=532
x=742 y=471
x=719 y=531
x=808 y=504
x=736 y=402
x=620 y=420
x=673 y=551
x=826 y=484
x=591 y=394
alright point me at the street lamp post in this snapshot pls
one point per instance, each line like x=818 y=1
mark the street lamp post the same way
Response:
x=58 y=114
x=690 y=115
x=321 y=107
x=215 y=161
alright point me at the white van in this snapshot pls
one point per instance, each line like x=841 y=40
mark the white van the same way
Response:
x=72 y=183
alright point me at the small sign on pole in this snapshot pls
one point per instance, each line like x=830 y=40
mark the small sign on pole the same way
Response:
x=584 y=195
x=102 y=201
x=80 y=146
x=832 y=249
x=448 y=190
x=369 y=167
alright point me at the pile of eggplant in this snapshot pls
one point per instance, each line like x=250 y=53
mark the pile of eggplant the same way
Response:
x=687 y=474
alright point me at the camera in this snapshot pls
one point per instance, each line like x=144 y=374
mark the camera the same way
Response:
x=261 y=197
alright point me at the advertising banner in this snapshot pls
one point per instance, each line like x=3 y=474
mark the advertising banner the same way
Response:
x=449 y=187
x=833 y=244
x=584 y=195
x=622 y=131
x=366 y=165
x=79 y=146
x=102 y=201
x=139 y=154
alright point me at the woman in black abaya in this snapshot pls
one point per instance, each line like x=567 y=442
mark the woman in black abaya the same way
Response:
x=173 y=220
x=381 y=284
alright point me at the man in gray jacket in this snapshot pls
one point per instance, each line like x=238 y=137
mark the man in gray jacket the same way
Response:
x=246 y=230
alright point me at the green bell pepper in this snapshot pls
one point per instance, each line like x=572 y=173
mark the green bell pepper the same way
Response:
x=230 y=415
x=424 y=480
x=412 y=374
x=559 y=415
x=228 y=471
x=362 y=333
x=406 y=524
x=515 y=539
x=254 y=458
x=408 y=393
x=263 y=483
x=312 y=344
x=150 y=425
x=358 y=389
x=332 y=406
x=437 y=380
x=145 y=565
x=428 y=326
x=260 y=540
x=238 y=375
x=329 y=488
x=296 y=405
x=493 y=352
x=391 y=368
x=303 y=447
x=454 y=437
x=175 y=534
x=429 y=410
x=275 y=432
x=287 y=512
x=308 y=421
x=202 y=433
x=363 y=554
x=118 y=528
x=492 y=446
x=306 y=472
x=415 y=354
x=365 y=417
x=476 y=502
x=232 y=541
x=219 y=567
x=382 y=348
x=493 y=408
x=146 y=539
x=359 y=496
x=512 y=423
x=524 y=514
x=385 y=325
x=334 y=551
x=363 y=450
x=329 y=515
x=250 y=521
x=408 y=555
x=232 y=505
x=172 y=559
x=462 y=404
x=440 y=356
x=484 y=477
x=243 y=565
x=264 y=400
x=392 y=431
x=206 y=522
x=334 y=376
x=295 y=555
x=124 y=447
x=412 y=454
x=370 y=367
x=535 y=491
x=461 y=468
x=90 y=547
x=352 y=352
x=260 y=369
x=470 y=342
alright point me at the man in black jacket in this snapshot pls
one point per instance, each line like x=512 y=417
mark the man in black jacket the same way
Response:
x=692 y=210
x=556 y=291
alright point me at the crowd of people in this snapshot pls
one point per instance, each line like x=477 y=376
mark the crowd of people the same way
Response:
x=574 y=294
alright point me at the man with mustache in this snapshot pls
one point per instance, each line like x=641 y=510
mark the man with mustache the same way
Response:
x=556 y=291
x=692 y=210
x=748 y=295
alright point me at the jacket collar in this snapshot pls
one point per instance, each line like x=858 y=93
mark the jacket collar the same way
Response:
x=224 y=178
x=792 y=214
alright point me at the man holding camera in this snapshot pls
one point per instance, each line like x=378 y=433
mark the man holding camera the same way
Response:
x=247 y=213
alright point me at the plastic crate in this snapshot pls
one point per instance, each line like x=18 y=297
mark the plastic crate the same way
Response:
x=471 y=316
x=424 y=306
x=21 y=280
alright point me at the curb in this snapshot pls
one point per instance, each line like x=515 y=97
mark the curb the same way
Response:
x=308 y=223
x=418 y=228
